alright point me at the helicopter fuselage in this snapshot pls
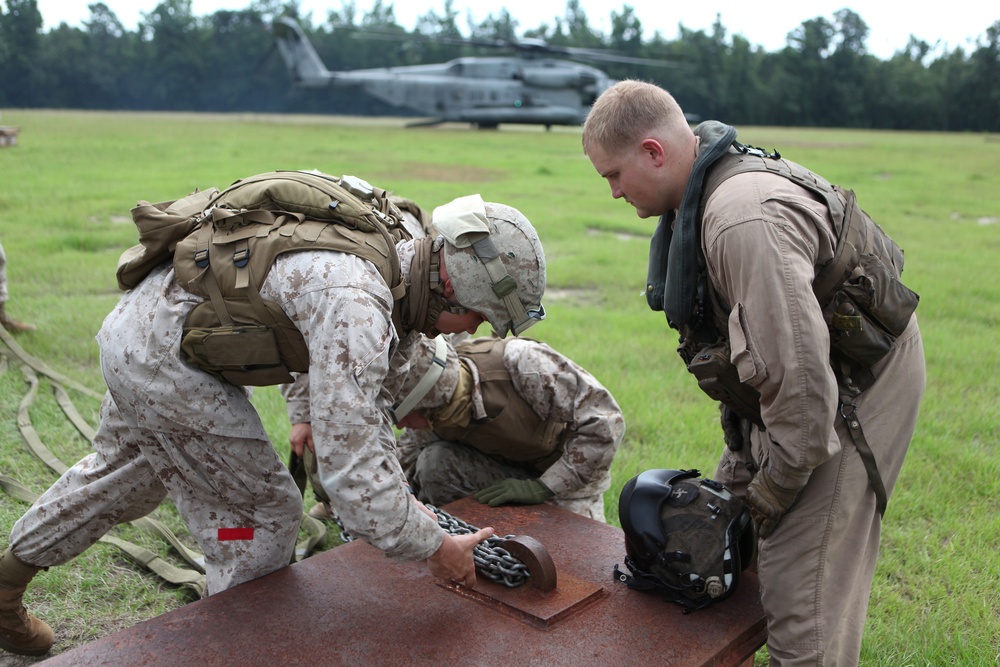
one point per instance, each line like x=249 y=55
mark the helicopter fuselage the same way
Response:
x=486 y=90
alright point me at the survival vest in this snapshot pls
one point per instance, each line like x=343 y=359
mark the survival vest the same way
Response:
x=865 y=305
x=512 y=430
x=229 y=241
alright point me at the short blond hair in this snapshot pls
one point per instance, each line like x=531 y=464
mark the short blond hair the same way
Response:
x=627 y=110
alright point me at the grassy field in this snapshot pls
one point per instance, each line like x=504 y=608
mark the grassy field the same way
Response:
x=65 y=194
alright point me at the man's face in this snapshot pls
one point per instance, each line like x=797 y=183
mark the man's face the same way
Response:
x=641 y=176
x=453 y=323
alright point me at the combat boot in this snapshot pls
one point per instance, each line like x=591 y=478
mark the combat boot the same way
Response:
x=20 y=632
x=12 y=325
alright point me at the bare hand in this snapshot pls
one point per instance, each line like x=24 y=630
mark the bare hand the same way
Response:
x=300 y=437
x=453 y=559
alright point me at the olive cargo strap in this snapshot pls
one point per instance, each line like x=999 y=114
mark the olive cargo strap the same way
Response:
x=431 y=375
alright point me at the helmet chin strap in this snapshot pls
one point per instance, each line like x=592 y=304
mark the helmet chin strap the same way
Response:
x=504 y=286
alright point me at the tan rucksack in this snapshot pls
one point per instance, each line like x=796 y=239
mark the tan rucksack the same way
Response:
x=229 y=245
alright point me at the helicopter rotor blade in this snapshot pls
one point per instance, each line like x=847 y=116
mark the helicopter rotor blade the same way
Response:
x=528 y=45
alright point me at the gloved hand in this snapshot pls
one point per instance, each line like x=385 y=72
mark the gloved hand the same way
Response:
x=511 y=490
x=768 y=502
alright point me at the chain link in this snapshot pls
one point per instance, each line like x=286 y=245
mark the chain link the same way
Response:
x=492 y=561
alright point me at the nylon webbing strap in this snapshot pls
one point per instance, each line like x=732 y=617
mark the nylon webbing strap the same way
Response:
x=35 y=444
x=867 y=456
x=504 y=287
x=211 y=283
x=42 y=367
x=434 y=371
x=193 y=579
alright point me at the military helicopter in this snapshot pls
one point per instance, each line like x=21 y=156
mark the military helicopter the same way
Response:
x=528 y=88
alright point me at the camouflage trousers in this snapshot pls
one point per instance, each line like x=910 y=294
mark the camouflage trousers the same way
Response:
x=446 y=471
x=236 y=497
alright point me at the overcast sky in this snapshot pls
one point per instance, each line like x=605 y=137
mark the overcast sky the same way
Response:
x=958 y=23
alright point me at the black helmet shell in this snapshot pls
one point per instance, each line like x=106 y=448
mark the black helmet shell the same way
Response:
x=686 y=536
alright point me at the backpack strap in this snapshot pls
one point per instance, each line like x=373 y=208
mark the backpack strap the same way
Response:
x=434 y=371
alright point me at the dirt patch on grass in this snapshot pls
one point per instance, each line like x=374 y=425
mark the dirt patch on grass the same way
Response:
x=620 y=234
x=450 y=173
x=580 y=296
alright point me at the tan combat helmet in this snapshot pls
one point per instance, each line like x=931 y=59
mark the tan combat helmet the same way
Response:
x=495 y=261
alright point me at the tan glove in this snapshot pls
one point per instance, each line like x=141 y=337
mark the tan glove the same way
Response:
x=768 y=502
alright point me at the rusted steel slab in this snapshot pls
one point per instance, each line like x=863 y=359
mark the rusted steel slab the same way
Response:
x=351 y=606
x=542 y=609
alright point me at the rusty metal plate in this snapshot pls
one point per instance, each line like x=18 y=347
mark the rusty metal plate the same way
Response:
x=542 y=609
x=351 y=605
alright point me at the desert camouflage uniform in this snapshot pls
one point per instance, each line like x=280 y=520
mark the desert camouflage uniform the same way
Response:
x=558 y=390
x=169 y=428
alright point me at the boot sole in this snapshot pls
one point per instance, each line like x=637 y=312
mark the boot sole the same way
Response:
x=14 y=648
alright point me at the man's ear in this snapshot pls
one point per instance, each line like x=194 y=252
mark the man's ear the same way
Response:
x=449 y=291
x=653 y=150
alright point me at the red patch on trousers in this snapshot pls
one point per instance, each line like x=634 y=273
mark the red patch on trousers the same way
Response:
x=229 y=534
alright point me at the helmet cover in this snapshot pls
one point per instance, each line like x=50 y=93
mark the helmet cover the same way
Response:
x=467 y=225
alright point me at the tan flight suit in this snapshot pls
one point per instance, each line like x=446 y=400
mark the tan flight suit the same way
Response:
x=559 y=392
x=169 y=428
x=762 y=237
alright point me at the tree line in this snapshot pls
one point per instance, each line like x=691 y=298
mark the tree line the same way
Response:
x=225 y=62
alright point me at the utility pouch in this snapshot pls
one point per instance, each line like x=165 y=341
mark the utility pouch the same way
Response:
x=869 y=312
x=242 y=355
x=718 y=377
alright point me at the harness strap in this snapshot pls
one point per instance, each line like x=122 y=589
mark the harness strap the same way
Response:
x=849 y=412
x=429 y=379
x=204 y=257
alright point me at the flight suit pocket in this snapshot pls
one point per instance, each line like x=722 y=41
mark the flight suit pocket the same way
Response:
x=749 y=365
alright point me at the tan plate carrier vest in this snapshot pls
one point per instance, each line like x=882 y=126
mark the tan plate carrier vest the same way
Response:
x=238 y=335
x=512 y=430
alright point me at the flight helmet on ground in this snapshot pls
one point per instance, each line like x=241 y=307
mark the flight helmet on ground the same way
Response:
x=685 y=536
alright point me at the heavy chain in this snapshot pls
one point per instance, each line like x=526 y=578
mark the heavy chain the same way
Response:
x=492 y=561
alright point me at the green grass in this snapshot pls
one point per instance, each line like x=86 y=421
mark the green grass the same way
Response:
x=65 y=195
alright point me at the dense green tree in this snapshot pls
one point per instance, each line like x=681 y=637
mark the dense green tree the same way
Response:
x=174 y=60
x=22 y=78
x=502 y=27
x=979 y=96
